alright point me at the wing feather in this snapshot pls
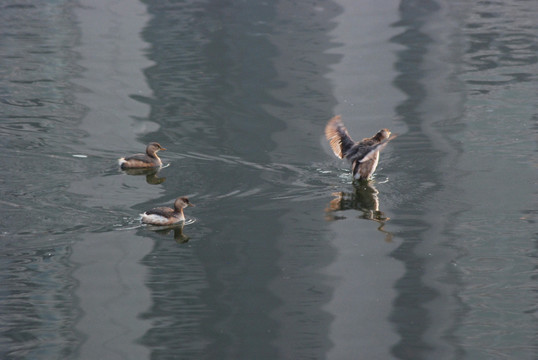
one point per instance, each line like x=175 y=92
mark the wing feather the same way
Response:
x=138 y=157
x=161 y=211
x=338 y=137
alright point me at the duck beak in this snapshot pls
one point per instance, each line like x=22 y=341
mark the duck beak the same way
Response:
x=162 y=148
x=191 y=204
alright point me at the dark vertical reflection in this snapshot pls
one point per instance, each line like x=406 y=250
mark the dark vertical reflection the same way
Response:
x=225 y=80
x=498 y=66
x=410 y=315
x=212 y=73
x=38 y=123
x=454 y=157
x=306 y=101
x=212 y=80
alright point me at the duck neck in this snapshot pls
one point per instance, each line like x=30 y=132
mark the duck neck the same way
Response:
x=152 y=154
x=179 y=214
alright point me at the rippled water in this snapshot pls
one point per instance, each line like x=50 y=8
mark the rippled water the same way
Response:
x=283 y=257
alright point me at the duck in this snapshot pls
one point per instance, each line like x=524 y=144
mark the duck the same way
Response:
x=147 y=160
x=166 y=215
x=364 y=154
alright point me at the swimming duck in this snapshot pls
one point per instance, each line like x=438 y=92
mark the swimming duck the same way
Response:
x=364 y=154
x=166 y=215
x=147 y=160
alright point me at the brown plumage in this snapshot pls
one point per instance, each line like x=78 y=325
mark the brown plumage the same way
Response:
x=166 y=215
x=147 y=160
x=364 y=154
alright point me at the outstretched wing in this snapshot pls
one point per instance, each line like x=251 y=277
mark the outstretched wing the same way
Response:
x=338 y=137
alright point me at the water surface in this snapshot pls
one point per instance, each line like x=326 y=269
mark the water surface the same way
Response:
x=284 y=257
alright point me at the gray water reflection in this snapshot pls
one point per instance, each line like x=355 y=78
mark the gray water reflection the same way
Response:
x=287 y=258
x=444 y=250
x=411 y=313
x=38 y=125
x=257 y=298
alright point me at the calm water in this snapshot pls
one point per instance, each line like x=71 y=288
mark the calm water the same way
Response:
x=284 y=257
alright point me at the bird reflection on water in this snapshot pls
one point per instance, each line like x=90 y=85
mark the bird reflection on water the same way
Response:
x=177 y=229
x=363 y=198
x=152 y=177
